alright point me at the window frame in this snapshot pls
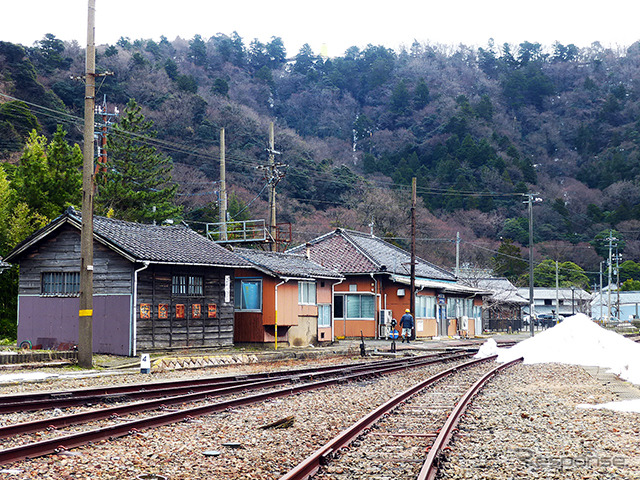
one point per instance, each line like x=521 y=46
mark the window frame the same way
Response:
x=428 y=310
x=324 y=307
x=305 y=291
x=360 y=296
x=185 y=285
x=239 y=293
x=60 y=284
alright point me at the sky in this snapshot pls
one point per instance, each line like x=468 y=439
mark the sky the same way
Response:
x=336 y=24
x=578 y=341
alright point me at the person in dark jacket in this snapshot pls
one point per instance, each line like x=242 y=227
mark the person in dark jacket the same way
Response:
x=407 y=325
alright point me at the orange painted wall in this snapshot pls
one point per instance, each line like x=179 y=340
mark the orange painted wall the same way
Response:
x=352 y=328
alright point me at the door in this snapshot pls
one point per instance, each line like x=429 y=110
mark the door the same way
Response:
x=339 y=316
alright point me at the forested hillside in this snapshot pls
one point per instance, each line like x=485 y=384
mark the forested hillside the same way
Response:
x=477 y=127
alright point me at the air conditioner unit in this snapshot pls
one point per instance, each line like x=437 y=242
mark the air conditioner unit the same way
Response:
x=385 y=317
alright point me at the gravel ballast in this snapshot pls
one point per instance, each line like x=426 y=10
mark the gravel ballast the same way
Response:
x=525 y=419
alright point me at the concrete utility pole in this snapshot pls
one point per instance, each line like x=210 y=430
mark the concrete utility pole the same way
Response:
x=412 y=306
x=273 y=176
x=272 y=190
x=611 y=238
x=530 y=201
x=457 y=254
x=223 y=189
x=557 y=296
x=601 y=302
x=85 y=324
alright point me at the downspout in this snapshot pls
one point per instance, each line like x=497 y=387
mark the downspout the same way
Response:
x=276 y=305
x=333 y=294
x=377 y=319
x=134 y=319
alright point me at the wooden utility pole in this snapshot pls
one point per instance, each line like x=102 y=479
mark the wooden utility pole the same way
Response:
x=223 y=189
x=85 y=324
x=412 y=297
x=272 y=189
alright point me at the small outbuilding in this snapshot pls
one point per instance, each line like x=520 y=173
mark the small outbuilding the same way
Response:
x=284 y=293
x=155 y=287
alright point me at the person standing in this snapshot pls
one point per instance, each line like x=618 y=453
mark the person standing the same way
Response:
x=407 y=325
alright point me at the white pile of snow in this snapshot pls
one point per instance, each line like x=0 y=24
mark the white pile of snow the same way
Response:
x=488 y=349
x=622 y=406
x=576 y=341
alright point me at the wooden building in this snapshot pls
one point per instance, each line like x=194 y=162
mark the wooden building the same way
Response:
x=502 y=306
x=283 y=292
x=154 y=286
x=376 y=288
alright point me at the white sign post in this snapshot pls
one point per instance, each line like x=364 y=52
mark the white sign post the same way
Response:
x=145 y=363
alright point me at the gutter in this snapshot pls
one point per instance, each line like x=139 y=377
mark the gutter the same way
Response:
x=276 y=305
x=134 y=318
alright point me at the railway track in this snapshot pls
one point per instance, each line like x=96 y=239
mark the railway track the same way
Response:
x=233 y=389
x=405 y=437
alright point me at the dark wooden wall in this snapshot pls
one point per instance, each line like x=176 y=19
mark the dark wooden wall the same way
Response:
x=112 y=274
x=154 y=288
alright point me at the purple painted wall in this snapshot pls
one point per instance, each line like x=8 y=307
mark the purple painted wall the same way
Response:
x=50 y=321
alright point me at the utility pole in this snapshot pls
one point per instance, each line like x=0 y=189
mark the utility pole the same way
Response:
x=611 y=238
x=272 y=190
x=530 y=201
x=457 y=254
x=273 y=176
x=601 y=303
x=618 y=257
x=412 y=306
x=85 y=323
x=223 y=189
x=557 y=296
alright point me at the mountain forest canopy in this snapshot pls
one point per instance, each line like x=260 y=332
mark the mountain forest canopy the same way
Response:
x=477 y=127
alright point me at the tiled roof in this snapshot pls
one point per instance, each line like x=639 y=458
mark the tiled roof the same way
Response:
x=351 y=252
x=175 y=244
x=286 y=264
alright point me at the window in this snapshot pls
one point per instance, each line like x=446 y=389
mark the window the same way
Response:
x=307 y=293
x=324 y=316
x=191 y=285
x=425 y=306
x=60 y=283
x=459 y=307
x=248 y=294
x=360 y=306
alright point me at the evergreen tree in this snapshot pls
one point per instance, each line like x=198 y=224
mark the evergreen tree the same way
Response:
x=48 y=177
x=509 y=262
x=137 y=183
x=569 y=274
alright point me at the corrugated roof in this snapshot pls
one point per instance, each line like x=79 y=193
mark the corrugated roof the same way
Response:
x=286 y=264
x=173 y=244
x=351 y=252
x=564 y=293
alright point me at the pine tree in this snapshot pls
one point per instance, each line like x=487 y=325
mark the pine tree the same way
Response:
x=48 y=177
x=137 y=183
